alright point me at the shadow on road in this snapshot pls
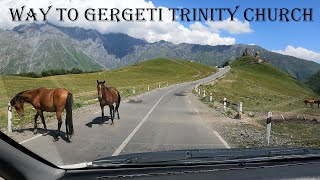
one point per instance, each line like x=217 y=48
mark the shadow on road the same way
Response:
x=135 y=101
x=99 y=121
x=50 y=132
x=180 y=94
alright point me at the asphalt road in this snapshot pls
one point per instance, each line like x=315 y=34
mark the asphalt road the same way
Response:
x=162 y=119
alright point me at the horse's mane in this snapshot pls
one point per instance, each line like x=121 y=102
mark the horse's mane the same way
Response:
x=18 y=98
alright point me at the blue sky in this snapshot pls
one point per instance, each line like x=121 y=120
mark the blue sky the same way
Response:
x=270 y=35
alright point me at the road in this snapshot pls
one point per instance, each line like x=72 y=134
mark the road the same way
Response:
x=162 y=119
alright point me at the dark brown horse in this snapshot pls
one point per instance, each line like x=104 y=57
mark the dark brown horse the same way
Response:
x=46 y=100
x=108 y=96
x=309 y=101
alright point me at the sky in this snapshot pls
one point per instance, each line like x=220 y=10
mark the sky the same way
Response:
x=298 y=39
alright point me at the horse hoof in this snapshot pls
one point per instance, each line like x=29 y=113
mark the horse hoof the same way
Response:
x=35 y=132
x=55 y=139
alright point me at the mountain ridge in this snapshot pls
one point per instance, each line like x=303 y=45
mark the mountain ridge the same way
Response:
x=114 y=50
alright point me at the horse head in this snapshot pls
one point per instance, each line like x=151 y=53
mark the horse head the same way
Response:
x=100 y=87
x=18 y=104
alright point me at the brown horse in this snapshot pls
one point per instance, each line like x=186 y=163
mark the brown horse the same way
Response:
x=48 y=100
x=108 y=96
x=309 y=101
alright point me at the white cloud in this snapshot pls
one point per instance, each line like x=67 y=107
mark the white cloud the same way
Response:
x=233 y=27
x=300 y=52
x=175 y=32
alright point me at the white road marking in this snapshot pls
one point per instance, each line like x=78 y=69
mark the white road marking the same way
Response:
x=34 y=137
x=196 y=110
x=189 y=102
x=126 y=141
x=222 y=140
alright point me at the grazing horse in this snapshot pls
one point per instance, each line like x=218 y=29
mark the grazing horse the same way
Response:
x=48 y=100
x=309 y=101
x=108 y=96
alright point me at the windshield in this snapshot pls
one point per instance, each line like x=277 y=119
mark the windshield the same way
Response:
x=83 y=81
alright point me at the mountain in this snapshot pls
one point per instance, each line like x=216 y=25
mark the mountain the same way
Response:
x=314 y=82
x=35 y=49
x=131 y=50
x=117 y=44
x=115 y=50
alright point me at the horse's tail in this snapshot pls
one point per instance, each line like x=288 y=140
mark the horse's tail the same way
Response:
x=69 y=122
x=119 y=97
x=118 y=104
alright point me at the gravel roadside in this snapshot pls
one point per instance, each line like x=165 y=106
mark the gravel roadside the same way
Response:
x=244 y=133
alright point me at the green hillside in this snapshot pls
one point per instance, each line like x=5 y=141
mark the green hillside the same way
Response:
x=314 y=82
x=83 y=86
x=261 y=87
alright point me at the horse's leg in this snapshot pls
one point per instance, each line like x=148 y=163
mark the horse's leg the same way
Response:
x=102 y=112
x=117 y=109
x=43 y=122
x=35 y=123
x=67 y=131
x=59 y=118
x=111 y=113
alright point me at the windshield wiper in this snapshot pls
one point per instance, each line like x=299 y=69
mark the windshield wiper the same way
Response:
x=207 y=156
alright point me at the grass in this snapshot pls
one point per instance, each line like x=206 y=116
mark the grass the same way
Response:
x=83 y=86
x=261 y=88
x=314 y=82
x=299 y=133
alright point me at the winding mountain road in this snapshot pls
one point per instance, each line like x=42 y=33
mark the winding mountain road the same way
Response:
x=162 y=119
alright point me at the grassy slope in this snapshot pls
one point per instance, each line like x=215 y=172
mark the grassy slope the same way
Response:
x=314 y=82
x=261 y=87
x=83 y=86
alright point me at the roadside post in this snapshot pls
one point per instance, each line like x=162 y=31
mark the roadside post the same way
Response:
x=224 y=103
x=159 y=85
x=268 y=129
x=133 y=90
x=210 y=98
x=239 y=113
x=199 y=91
x=204 y=93
x=148 y=88
x=9 y=118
